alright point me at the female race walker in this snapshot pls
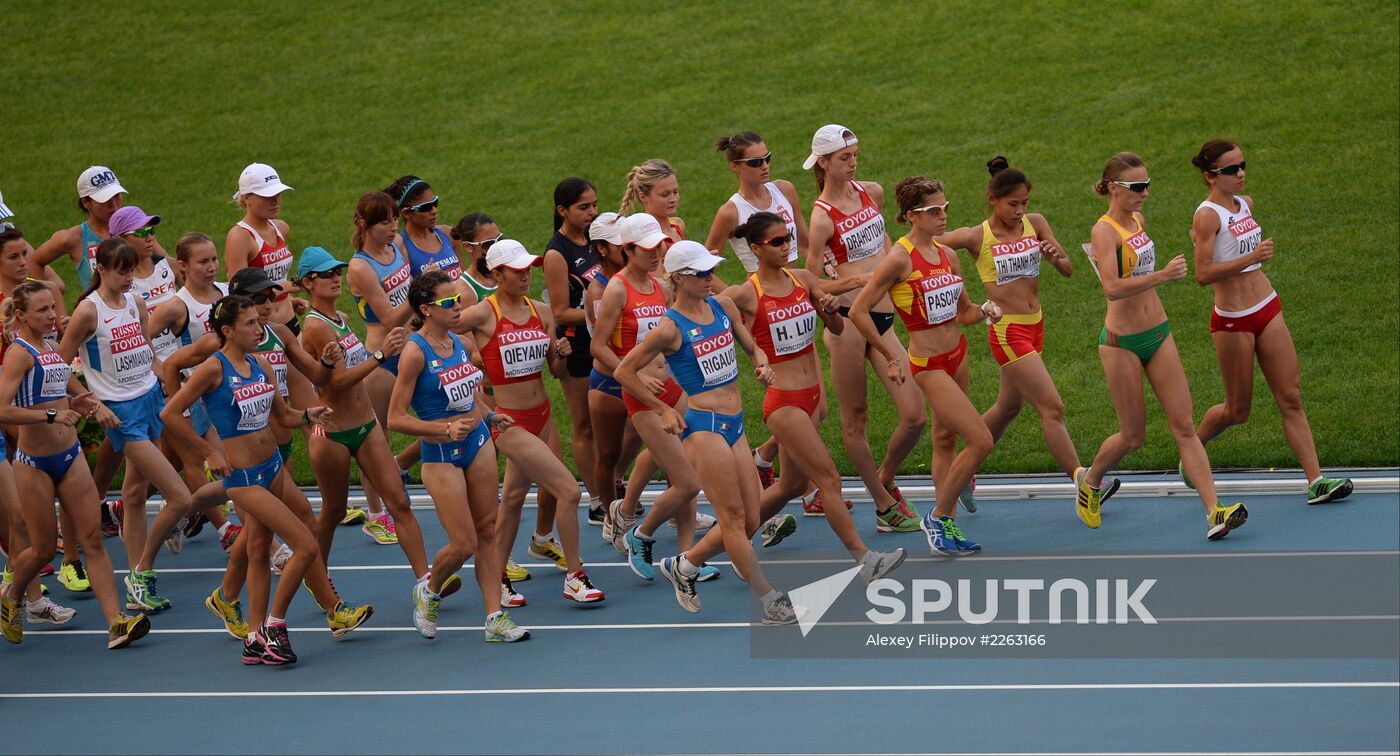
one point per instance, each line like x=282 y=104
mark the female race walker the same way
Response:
x=99 y=195
x=1136 y=339
x=240 y=397
x=1247 y=323
x=259 y=240
x=108 y=327
x=569 y=263
x=1008 y=248
x=654 y=186
x=513 y=336
x=39 y=393
x=696 y=336
x=778 y=304
x=924 y=281
x=476 y=232
x=438 y=380
x=427 y=245
x=848 y=231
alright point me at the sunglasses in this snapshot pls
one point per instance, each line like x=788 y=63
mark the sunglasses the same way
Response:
x=937 y=209
x=1229 y=170
x=779 y=241
x=757 y=162
x=695 y=273
x=261 y=297
x=486 y=243
x=423 y=207
x=142 y=233
x=1133 y=186
x=317 y=275
x=447 y=302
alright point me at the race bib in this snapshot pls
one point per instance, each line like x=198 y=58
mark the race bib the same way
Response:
x=56 y=373
x=254 y=402
x=793 y=328
x=715 y=356
x=354 y=349
x=941 y=293
x=277 y=263
x=396 y=285
x=277 y=360
x=523 y=352
x=1248 y=233
x=1016 y=260
x=648 y=317
x=1144 y=251
x=131 y=355
x=459 y=383
x=863 y=234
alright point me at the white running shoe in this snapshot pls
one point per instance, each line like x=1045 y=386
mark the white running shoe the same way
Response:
x=46 y=612
x=425 y=610
x=280 y=558
x=877 y=564
x=509 y=597
x=577 y=587
x=703 y=523
x=780 y=611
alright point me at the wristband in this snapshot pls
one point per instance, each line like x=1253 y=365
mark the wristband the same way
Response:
x=305 y=417
x=327 y=365
x=490 y=416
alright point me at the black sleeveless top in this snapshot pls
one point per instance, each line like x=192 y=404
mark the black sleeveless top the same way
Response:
x=583 y=262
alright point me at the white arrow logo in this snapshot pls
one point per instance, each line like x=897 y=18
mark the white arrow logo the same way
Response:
x=818 y=597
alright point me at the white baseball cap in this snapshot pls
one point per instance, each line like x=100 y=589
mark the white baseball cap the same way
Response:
x=260 y=179
x=606 y=227
x=511 y=254
x=690 y=255
x=642 y=230
x=4 y=209
x=99 y=183
x=828 y=139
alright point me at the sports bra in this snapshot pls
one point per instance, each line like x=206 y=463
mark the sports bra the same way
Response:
x=445 y=259
x=1136 y=253
x=1239 y=233
x=784 y=327
x=778 y=205
x=447 y=385
x=275 y=352
x=516 y=351
x=354 y=350
x=394 y=278
x=640 y=313
x=240 y=405
x=705 y=360
x=47 y=379
x=274 y=259
x=929 y=296
x=857 y=236
x=1001 y=262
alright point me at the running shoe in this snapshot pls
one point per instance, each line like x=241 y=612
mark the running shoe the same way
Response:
x=141 y=592
x=900 y=518
x=47 y=570
x=515 y=572
x=280 y=558
x=500 y=628
x=639 y=554
x=509 y=596
x=255 y=648
x=776 y=528
x=703 y=523
x=229 y=535
x=276 y=643
x=706 y=573
x=175 y=542
x=1086 y=499
x=11 y=618
x=1109 y=487
x=451 y=585
x=110 y=525
x=812 y=505
x=765 y=474
x=353 y=516
x=877 y=564
x=381 y=529
x=228 y=612
x=193 y=525
x=621 y=524
x=119 y=515
x=73 y=577
x=609 y=522
x=967 y=498
x=577 y=587
x=779 y=611
x=347 y=617
x=939 y=542
x=1222 y=520
x=1329 y=489
x=1181 y=470
x=548 y=551
x=425 y=610
x=951 y=530
x=127 y=630
x=685 y=586
x=597 y=513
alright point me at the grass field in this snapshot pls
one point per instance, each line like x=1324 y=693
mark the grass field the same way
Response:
x=493 y=104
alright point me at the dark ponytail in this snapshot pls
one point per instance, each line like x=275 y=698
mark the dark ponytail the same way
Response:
x=754 y=229
x=115 y=255
x=1005 y=179
x=567 y=193
x=1211 y=152
x=226 y=312
x=466 y=228
x=733 y=146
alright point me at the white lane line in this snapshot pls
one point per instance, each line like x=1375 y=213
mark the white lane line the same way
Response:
x=971 y=688
x=979 y=558
x=58 y=633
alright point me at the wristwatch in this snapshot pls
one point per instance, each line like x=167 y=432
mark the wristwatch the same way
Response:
x=50 y=414
x=379 y=355
x=325 y=364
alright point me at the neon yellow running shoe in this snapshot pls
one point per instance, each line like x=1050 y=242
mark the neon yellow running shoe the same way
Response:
x=127 y=630
x=353 y=516
x=381 y=529
x=1222 y=520
x=515 y=572
x=11 y=618
x=548 y=550
x=228 y=612
x=451 y=585
x=74 y=577
x=347 y=617
x=226 y=508
x=1086 y=500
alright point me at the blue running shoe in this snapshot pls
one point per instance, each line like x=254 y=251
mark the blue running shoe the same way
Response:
x=707 y=573
x=951 y=530
x=639 y=554
x=939 y=543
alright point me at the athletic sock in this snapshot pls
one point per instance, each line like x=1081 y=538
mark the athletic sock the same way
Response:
x=539 y=540
x=770 y=596
x=688 y=569
x=1314 y=481
x=760 y=461
x=224 y=527
x=275 y=621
